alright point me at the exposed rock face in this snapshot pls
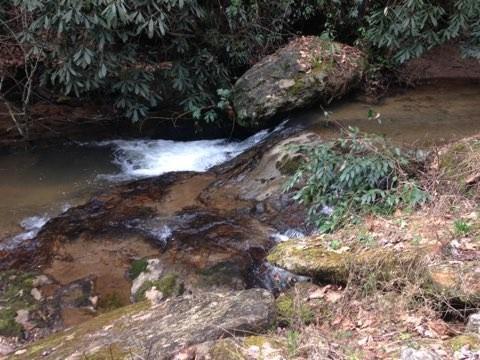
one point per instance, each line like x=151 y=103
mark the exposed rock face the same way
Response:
x=308 y=70
x=163 y=330
x=458 y=281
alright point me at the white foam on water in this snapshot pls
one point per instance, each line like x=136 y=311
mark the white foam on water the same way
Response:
x=146 y=158
x=32 y=225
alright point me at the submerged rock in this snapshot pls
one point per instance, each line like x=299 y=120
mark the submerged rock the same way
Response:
x=308 y=70
x=163 y=330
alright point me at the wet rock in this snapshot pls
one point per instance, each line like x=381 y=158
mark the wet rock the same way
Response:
x=163 y=330
x=473 y=324
x=308 y=70
x=422 y=354
x=77 y=294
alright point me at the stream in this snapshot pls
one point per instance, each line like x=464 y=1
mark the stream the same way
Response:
x=39 y=184
x=208 y=220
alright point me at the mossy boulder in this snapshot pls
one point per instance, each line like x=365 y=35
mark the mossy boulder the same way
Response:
x=308 y=70
x=160 y=331
x=312 y=258
x=458 y=163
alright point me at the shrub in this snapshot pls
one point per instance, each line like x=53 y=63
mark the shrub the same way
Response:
x=353 y=174
x=141 y=52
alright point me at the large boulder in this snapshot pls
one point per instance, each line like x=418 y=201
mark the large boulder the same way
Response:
x=308 y=70
x=311 y=257
x=160 y=331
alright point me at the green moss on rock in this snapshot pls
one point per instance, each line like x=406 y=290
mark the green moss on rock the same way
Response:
x=289 y=312
x=137 y=267
x=15 y=295
x=168 y=285
x=312 y=258
x=226 y=350
x=460 y=341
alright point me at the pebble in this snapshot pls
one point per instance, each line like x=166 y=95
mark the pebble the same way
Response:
x=473 y=324
x=422 y=354
x=36 y=294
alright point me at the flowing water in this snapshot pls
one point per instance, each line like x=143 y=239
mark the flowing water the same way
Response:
x=36 y=185
x=39 y=184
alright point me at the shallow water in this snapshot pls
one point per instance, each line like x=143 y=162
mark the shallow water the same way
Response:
x=42 y=183
x=426 y=116
x=38 y=184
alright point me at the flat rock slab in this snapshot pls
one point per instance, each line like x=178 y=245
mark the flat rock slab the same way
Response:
x=160 y=331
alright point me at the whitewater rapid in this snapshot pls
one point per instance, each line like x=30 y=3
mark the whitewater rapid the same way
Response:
x=146 y=158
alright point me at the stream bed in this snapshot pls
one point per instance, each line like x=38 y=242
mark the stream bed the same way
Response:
x=75 y=214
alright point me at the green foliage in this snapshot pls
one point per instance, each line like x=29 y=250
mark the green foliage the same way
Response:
x=141 y=52
x=406 y=28
x=15 y=288
x=353 y=174
x=136 y=268
x=292 y=311
x=461 y=227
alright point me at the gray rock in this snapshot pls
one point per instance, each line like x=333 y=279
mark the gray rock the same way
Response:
x=41 y=280
x=473 y=324
x=421 y=354
x=164 y=330
x=36 y=294
x=307 y=70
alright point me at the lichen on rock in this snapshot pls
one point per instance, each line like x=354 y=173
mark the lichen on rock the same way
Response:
x=164 y=329
x=307 y=70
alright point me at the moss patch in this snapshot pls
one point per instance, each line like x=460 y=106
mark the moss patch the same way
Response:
x=110 y=302
x=69 y=339
x=111 y=352
x=136 y=268
x=458 y=342
x=15 y=288
x=168 y=285
x=226 y=350
x=289 y=312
